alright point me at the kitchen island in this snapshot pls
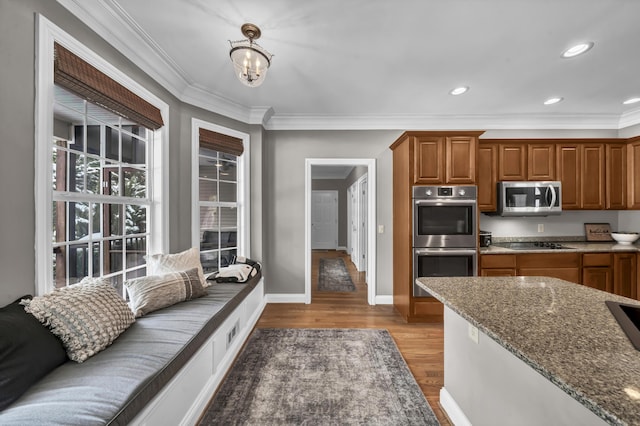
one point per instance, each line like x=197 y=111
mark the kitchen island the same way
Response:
x=534 y=350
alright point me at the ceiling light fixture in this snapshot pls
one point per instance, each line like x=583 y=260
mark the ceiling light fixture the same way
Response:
x=576 y=50
x=250 y=60
x=552 y=101
x=631 y=101
x=459 y=90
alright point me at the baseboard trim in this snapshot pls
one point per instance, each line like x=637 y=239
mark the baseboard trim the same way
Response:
x=384 y=300
x=285 y=298
x=452 y=409
x=340 y=248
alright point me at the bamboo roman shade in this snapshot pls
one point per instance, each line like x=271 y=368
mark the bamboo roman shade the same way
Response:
x=219 y=142
x=83 y=79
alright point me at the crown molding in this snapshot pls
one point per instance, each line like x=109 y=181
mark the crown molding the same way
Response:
x=629 y=118
x=443 y=122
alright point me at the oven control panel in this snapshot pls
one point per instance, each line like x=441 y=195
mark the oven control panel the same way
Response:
x=460 y=192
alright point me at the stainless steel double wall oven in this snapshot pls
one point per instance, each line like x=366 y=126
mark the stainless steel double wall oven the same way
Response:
x=444 y=232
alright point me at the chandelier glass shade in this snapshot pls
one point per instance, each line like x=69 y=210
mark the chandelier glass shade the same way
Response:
x=250 y=61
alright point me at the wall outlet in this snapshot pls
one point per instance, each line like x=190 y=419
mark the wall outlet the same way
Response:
x=541 y=227
x=380 y=229
x=473 y=333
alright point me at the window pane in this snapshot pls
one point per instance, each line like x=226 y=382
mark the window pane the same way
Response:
x=228 y=192
x=210 y=240
x=112 y=256
x=209 y=261
x=111 y=175
x=96 y=220
x=136 y=219
x=79 y=223
x=228 y=239
x=135 y=184
x=208 y=190
x=133 y=149
x=78 y=262
x=59 y=216
x=228 y=218
x=228 y=171
x=209 y=218
x=78 y=139
x=207 y=168
x=226 y=257
x=96 y=259
x=93 y=175
x=77 y=172
x=114 y=215
x=136 y=250
x=93 y=139
x=208 y=152
x=112 y=142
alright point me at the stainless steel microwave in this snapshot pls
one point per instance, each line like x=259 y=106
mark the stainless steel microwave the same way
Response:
x=542 y=198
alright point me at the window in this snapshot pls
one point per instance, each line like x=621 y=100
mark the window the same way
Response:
x=100 y=193
x=99 y=181
x=220 y=220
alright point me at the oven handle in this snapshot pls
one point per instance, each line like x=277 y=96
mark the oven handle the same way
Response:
x=437 y=202
x=444 y=252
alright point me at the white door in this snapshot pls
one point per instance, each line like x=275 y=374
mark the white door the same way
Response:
x=353 y=223
x=363 y=224
x=324 y=220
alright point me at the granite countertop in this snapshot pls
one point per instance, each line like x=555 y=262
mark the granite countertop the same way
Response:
x=562 y=330
x=572 y=247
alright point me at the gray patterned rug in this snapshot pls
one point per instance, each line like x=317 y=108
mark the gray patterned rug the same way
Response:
x=334 y=276
x=319 y=377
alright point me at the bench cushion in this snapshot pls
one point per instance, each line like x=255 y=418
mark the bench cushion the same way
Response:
x=116 y=384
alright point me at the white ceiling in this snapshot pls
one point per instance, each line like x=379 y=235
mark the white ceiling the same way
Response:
x=372 y=64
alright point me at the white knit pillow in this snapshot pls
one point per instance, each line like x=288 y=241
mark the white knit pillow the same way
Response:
x=87 y=317
x=159 y=264
x=153 y=292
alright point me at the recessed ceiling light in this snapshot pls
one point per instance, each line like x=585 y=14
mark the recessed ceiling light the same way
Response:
x=631 y=101
x=576 y=50
x=552 y=101
x=459 y=90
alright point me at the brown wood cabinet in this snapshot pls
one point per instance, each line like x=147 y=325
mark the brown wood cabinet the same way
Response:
x=616 y=176
x=512 y=161
x=625 y=274
x=433 y=158
x=565 y=266
x=498 y=265
x=581 y=169
x=541 y=161
x=597 y=271
x=444 y=159
x=487 y=177
x=633 y=173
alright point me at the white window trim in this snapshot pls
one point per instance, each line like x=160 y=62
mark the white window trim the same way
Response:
x=244 y=193
x=47 y=33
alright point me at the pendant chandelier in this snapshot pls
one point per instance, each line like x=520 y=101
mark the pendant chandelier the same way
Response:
x=250 y=60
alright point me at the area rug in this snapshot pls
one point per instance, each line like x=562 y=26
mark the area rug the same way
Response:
x=334 y=276
x=319 y=377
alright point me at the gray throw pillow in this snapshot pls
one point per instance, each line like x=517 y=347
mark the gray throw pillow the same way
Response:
x=87 y=317
x=153 y=292
x=159 y=264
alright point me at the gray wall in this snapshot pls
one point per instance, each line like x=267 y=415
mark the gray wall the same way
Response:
x=285 y=154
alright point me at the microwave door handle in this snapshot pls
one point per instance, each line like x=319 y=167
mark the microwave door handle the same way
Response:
x=553 y=196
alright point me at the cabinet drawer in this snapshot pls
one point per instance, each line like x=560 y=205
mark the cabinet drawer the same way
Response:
x=549 y=260
x=497 y=261
x=428 y=307
x=596 y=259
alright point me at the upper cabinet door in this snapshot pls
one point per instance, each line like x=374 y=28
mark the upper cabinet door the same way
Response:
x=487 y=176
x=512 y=161
x=633 y=162
x=616 y=176
x=541 y=161
x=429 y=157
x=568 y=172
x=592 y=175
x=460 y=161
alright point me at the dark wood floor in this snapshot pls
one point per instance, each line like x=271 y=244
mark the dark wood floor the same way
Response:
x=421 y=345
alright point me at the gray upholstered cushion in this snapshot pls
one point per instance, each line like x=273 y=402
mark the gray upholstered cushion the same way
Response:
x=153 y=292
x=159 y=264
x=87 y=317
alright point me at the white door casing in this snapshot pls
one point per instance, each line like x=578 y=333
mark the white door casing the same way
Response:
x=362 y=223
x=324 y=220
x=370 y=163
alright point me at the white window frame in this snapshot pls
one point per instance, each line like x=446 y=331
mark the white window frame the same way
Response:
x=244 y=184
x=47 y=34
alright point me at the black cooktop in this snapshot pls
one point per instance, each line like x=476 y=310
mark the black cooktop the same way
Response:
x=533 y=245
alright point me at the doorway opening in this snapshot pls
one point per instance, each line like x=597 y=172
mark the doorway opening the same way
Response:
x=356 y=229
